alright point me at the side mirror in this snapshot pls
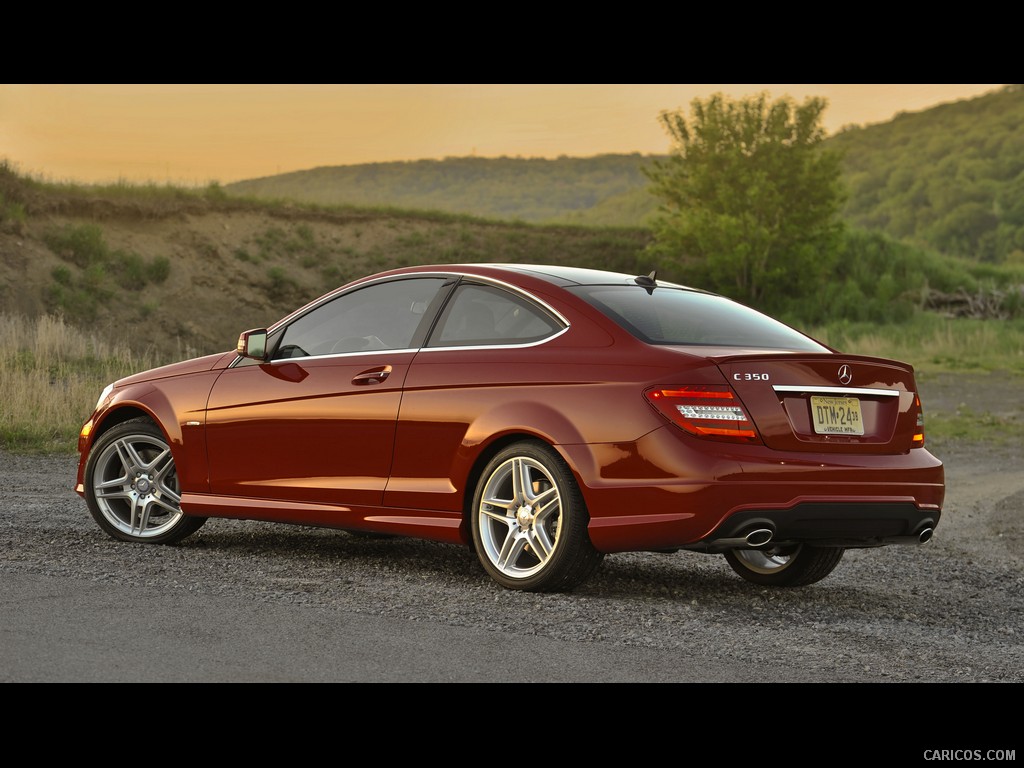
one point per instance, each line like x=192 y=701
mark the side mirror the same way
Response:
x=253 y=344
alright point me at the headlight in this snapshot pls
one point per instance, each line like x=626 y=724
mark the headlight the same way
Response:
x=103 y=395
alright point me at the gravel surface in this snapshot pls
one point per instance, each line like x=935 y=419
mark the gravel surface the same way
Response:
x=946 y=611
x=949 y=610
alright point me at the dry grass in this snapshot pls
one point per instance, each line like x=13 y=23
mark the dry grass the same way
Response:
x=51 y=374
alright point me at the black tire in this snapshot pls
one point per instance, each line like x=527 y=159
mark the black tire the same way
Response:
x=131 y=486
x=793 y=567
x=530 y=522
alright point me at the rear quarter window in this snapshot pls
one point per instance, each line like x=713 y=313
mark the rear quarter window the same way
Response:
x=482 y=315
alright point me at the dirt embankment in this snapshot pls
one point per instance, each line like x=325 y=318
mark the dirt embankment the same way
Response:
x=228 y=271
x=174 y=271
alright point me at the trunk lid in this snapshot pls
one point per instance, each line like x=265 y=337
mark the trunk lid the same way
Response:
x=827 y=402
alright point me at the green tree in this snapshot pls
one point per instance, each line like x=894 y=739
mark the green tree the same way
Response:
x=749 y=198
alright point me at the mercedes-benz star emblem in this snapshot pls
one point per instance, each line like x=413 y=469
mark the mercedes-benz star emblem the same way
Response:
x=845 y=374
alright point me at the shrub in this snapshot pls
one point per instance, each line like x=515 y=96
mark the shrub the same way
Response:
x=83 y=244
x=159 y=269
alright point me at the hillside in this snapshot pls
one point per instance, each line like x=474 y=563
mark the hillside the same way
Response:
x=567 y=189
x=949 y=178
x=145 y=263
x=186 y=271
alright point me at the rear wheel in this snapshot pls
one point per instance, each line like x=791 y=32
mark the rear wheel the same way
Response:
x=131 y=486
x=530 y=522
x=794 y=566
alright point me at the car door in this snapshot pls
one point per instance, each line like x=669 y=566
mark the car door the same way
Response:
x=316 y=422
x=486 y=353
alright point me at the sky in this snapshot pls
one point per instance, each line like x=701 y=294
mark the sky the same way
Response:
x=195 y=134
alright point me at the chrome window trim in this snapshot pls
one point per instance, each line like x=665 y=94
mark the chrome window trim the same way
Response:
x=522 y=292
x=522 y=345
x=838 y=390
x=338 y=292
x=341 y=291
x=462 y=275
x=284 y=360
x=343 y=354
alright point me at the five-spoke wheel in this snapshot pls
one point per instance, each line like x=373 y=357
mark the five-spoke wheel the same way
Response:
x=530 y=522
x=131 y=486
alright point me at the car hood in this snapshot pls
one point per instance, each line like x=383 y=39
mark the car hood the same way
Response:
x=185 y=367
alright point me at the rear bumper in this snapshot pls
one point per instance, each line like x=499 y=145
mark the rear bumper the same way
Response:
x=667 y=492
x=825 y=525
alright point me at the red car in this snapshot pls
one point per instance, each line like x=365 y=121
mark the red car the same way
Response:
x=545 y=416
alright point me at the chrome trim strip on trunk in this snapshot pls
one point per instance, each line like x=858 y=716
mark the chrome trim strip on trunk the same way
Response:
x=838 y=390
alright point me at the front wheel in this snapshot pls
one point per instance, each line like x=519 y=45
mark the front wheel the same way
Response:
x=530 y=522
x=131 y=486
x=794 y=566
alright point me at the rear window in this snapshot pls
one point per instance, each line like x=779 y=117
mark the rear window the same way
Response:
x=673 y=316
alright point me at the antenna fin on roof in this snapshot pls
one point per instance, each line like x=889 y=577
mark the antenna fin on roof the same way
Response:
x=650 y=282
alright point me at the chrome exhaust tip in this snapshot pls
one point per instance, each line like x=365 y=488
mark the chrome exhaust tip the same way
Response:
x=760 y=536
x=925 y=534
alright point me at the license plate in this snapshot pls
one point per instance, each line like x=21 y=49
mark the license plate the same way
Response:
x=836 y=415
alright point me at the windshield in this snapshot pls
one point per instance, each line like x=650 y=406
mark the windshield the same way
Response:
x=676 y=316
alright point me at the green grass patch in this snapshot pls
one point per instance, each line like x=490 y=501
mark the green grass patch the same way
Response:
x=934 y=344
x=83 y=244
x=966 y=424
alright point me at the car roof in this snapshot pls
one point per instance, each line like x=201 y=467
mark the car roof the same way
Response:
x=567 y=276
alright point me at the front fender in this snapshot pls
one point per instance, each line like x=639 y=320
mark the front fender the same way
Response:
x=177 y=407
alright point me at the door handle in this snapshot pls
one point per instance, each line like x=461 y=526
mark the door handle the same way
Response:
x=372 y=376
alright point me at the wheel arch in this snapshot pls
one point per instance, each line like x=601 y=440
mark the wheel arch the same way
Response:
x=156 y=407
x=120 y=415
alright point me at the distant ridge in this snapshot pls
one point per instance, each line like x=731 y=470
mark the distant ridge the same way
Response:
x=589 y=190
x=950 y=178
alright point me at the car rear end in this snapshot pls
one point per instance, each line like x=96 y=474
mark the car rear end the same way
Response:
x=830 y=449
x=771 y=441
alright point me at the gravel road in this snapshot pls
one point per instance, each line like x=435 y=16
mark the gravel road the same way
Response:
x=947 y=611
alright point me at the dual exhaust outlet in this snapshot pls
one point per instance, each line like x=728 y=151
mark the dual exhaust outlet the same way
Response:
x=760 y=537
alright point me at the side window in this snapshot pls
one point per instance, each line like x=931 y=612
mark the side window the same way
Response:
x=485 y=315
x=379 y=316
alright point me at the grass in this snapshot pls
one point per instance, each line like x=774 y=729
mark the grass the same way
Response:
x=933 y=344
x=964 y=425
x=51 y=374
x=937 y=345
x=93 y=273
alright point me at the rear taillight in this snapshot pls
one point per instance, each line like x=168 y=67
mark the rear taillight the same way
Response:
x=918 y=440
x=706 y=411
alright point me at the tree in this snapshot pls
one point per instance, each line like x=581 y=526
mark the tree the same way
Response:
x=749 y=198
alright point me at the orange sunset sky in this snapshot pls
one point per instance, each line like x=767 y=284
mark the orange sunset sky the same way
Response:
x=198 y=133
